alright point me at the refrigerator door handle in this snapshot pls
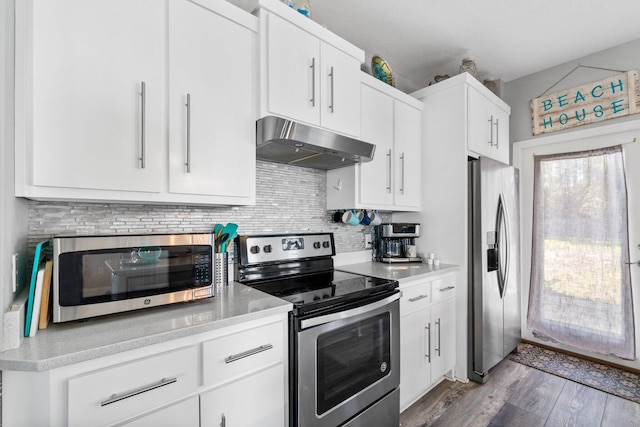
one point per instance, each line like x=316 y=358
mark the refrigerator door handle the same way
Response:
x=502 y=230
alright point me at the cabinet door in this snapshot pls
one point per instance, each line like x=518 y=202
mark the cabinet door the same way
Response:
x=501 y=131
x=340 y=91
x=443 y=336
x=254 y=401
x=293 y=71
x=212 y=110
x=183 y=414
x=376 y=179
x=481 y=136
x=407 y=135
x=415 y=350
x=91 y=126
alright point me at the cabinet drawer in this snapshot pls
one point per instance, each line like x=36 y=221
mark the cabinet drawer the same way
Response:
x=121 y=391
x=232 y=356
x=414 y=297
x=443 y=288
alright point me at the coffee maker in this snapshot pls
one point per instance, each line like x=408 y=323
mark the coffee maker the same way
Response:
x=395 y=242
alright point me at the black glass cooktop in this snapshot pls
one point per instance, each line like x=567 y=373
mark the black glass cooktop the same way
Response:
x=326 y=290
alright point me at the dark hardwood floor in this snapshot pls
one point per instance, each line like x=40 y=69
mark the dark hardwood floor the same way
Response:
x=517 y=395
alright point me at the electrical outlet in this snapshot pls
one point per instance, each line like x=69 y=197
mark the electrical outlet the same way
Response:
x=367 y=241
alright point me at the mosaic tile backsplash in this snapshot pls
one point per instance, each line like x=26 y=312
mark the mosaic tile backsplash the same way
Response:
x=289 y=199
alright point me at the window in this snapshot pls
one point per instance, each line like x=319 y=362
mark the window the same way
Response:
x=580 y=290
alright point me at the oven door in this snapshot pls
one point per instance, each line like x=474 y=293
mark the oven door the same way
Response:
x=346 y=362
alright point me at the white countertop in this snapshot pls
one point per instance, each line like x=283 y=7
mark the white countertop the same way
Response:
x=398 y=271
x=63 y=344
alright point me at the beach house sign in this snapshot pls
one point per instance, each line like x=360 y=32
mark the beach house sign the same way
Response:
x=605 y=99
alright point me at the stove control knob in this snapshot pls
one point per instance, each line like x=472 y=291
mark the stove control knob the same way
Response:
x=267 y=249
x=325 y=244
x=316 y=298
x=254 y=249
x=316 y=245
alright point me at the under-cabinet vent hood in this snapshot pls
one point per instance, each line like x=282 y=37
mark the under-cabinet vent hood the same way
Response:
x=285 y=141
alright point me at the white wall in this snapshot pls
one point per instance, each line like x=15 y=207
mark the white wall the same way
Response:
x=518 y=95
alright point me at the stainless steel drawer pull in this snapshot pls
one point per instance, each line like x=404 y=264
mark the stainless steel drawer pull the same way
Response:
x=428 y=355
x=438 y=348
x=116 y=398
x=389 y=171
x=497 y=134
x=188 y=105
x=402 y=176
x=248 y=353
x=418 y=298
x=143 y=117
x=448 y=288
x=331 y=77
x=313 y=82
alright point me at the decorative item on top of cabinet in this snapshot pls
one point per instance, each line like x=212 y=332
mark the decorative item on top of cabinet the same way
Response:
x=307 y=73
x=89 y=128
x=391 y=181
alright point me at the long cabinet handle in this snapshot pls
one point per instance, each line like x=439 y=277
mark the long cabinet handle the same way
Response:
x=447 y=288
x=438 y=348
x=389 y=171
x=491 y=130
x=188 y=105
x=428 y=355
x=402 y=174
x=313 y=82
x=497 y=134
x=235 y=357
x=331 y=82
x=223 y=421
x=418 y=298
x=143 y=119
x=118 y=397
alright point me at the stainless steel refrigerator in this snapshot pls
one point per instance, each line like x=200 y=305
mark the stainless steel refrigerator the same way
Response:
x=494 y=265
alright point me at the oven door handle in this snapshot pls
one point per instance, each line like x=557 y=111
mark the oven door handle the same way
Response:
x=320 y=320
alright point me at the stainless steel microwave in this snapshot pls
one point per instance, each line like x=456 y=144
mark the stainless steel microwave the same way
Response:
x=99 y=275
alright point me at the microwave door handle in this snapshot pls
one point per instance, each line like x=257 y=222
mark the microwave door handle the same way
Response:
x=320 y=320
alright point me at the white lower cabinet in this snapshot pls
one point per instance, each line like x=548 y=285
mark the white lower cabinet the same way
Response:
x=183 y=414
x=228 y=406
x=427 y=335
x=201 y=380
x=131 y=388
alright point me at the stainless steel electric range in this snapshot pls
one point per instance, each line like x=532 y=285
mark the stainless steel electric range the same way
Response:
x=344 y=364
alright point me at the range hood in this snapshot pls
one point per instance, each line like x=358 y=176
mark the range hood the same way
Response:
x=285 y=141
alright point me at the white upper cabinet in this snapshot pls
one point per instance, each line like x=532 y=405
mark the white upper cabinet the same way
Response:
x=83 y=118
x=488 y=126
x=460 y=113
x=407 y=134
x=212 y=103
x=376 y=176
x=97 y=81
x=391 y=120
x=307 y=73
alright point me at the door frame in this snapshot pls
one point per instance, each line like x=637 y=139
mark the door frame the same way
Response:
x=627 y=134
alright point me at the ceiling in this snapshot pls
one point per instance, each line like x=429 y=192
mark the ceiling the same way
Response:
x=507 y=39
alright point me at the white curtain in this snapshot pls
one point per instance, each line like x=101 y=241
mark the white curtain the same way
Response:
x=580 y=290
